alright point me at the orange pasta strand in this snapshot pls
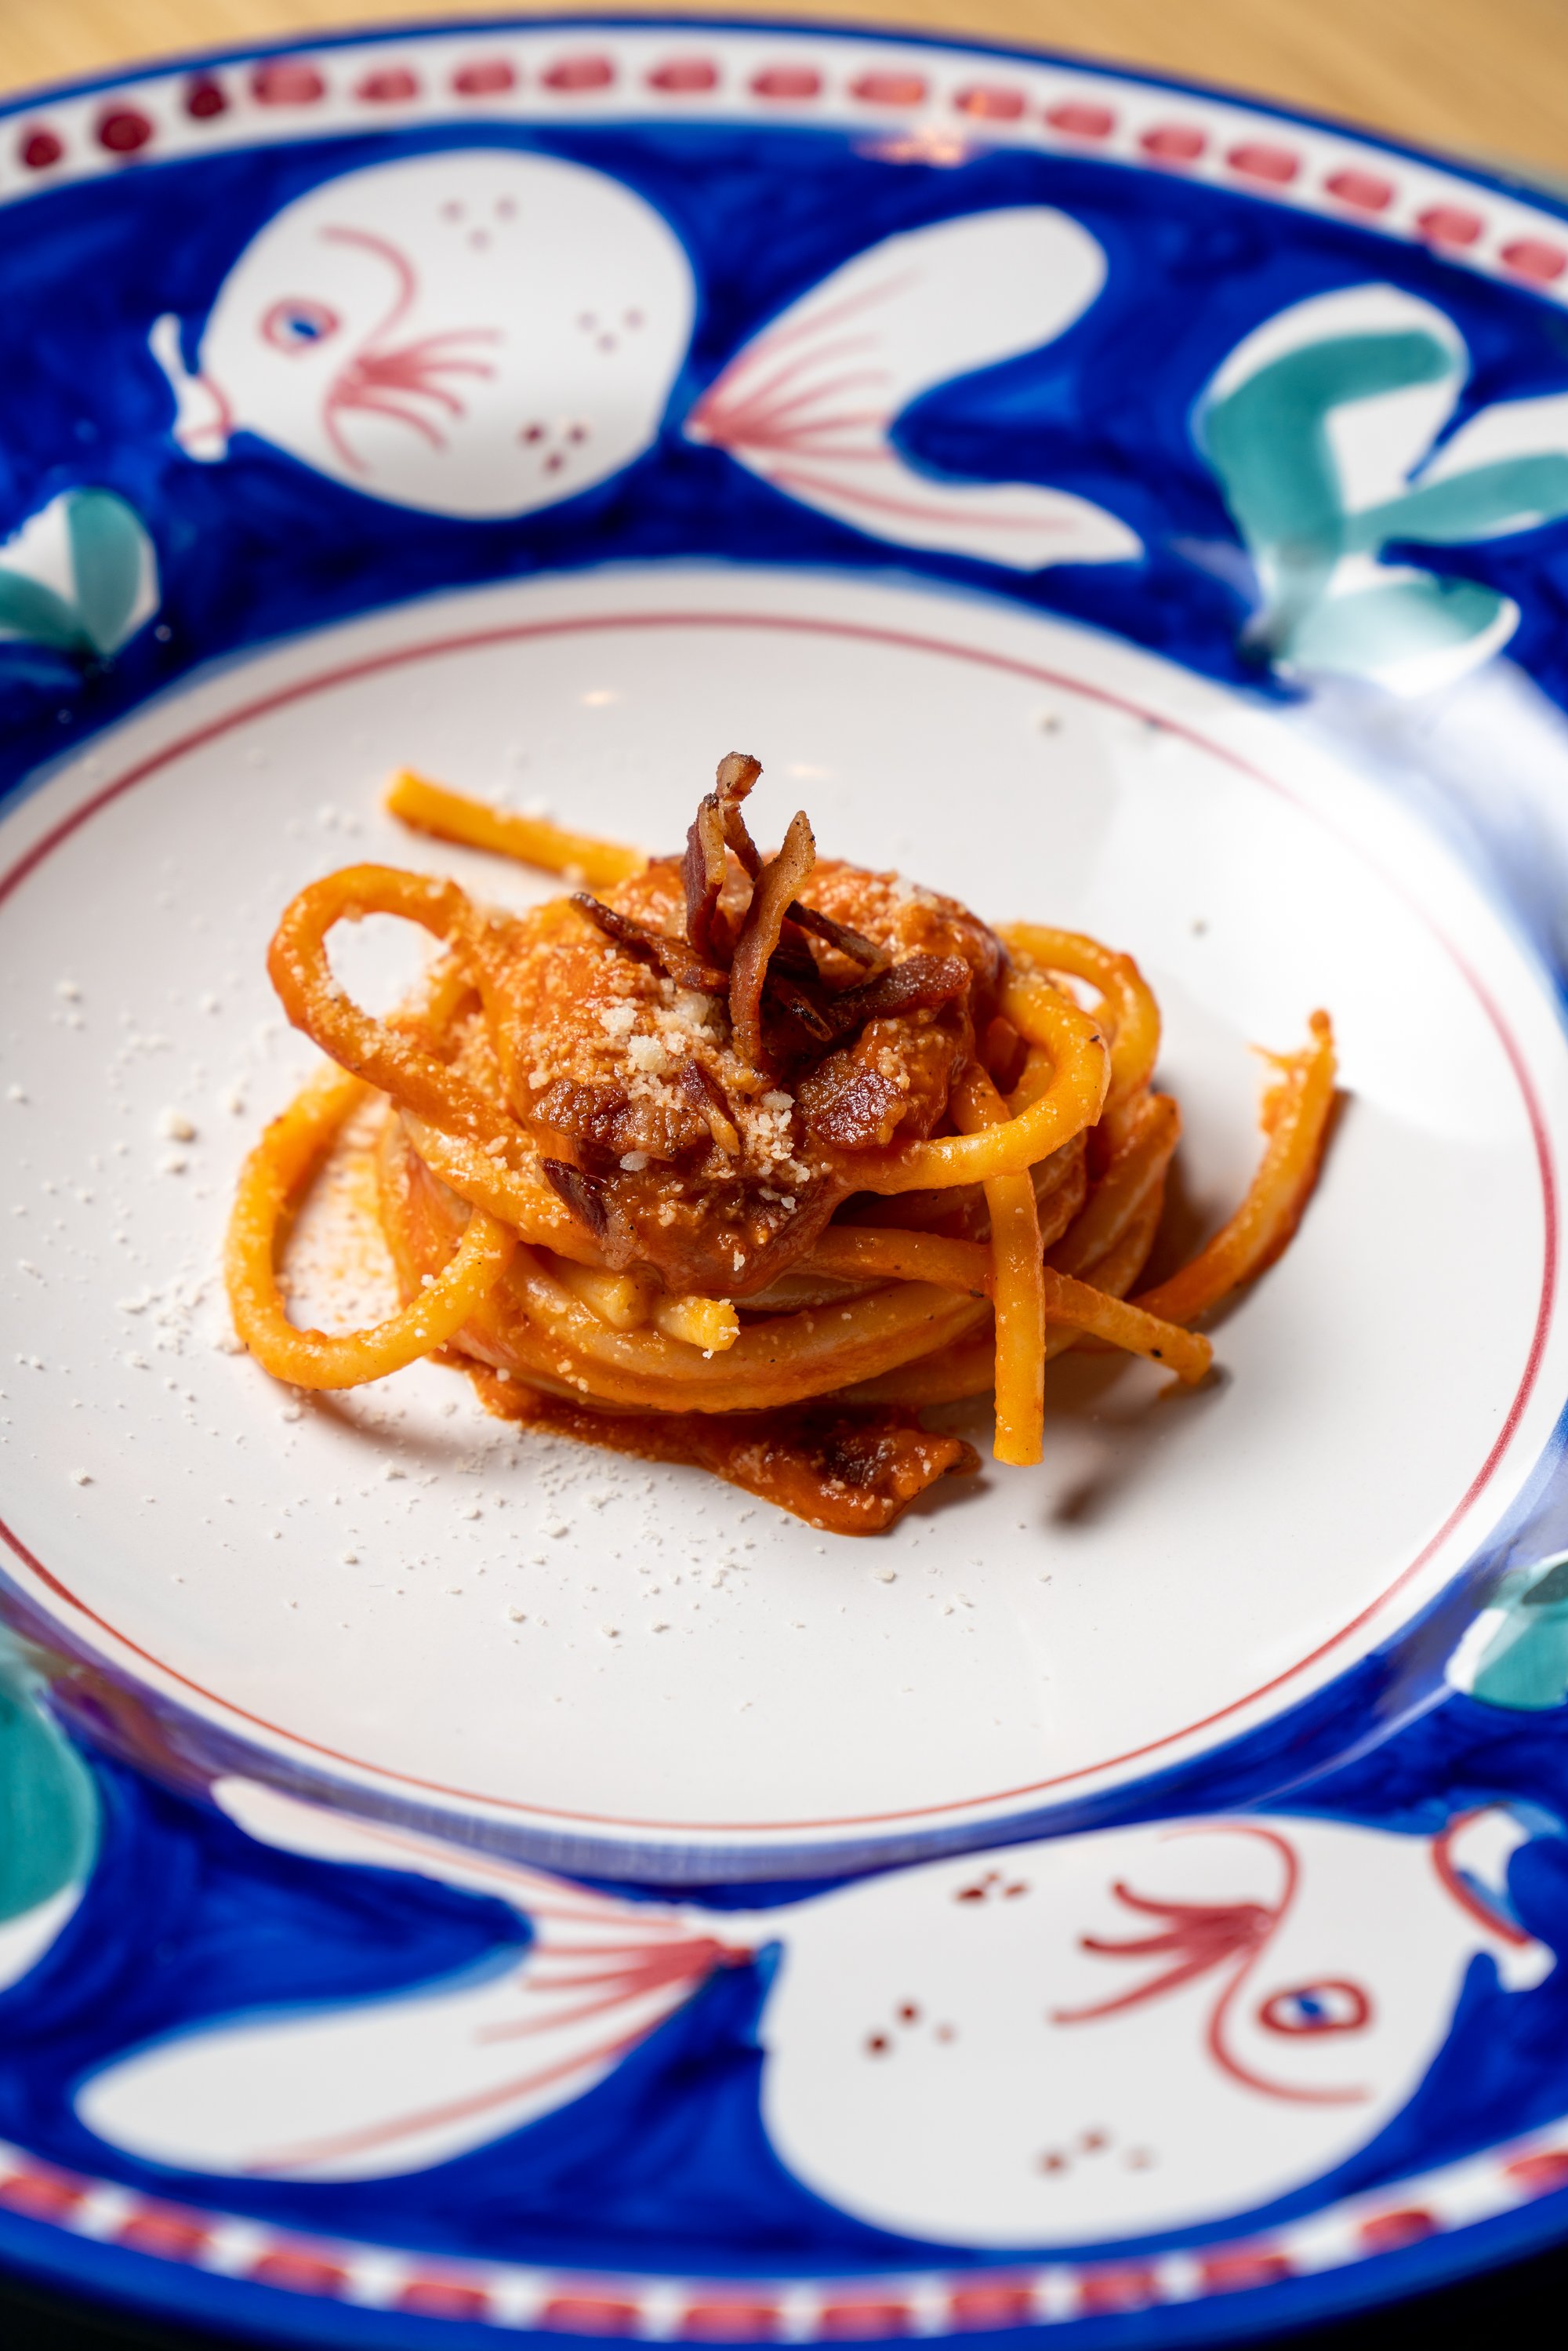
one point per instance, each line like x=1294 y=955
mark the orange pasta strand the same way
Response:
x=1136 y=1170
x=1079 y=1306
x=853 y=1251
x=1128 y=1003
x=390 y=1058
x=1296 y=1115
x=530 y=839
x=1070 y=1101
x=273 y=1180
x=1017 y=1285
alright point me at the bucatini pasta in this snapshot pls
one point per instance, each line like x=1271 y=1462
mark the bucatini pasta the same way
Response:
x=743 y=1160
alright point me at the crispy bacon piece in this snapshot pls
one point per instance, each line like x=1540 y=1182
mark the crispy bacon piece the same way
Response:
x=883 y=1085
x=702 y=874
x=604 y=1122
x=685 y=965
x=583 y=1194
x=803 y=1013
x=738 y=771
x=919 y=984
x=803 y=1019
x=719 y=825
x=776 y=886
x=850 y=1470
x=663 y=1172
x=704 y=1093
x=838 y=935
x=720 y=828
x=596 y=1202
x=850 y=1106
x=594 y=1116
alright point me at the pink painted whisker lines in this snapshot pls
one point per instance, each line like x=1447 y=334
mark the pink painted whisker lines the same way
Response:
x=1198 y=1938
x=392 y=382
x=400 y=328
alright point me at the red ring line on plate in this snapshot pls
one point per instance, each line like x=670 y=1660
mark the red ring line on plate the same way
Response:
x=519 y=632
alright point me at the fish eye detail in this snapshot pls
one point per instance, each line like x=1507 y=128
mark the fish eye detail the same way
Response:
x=298 y=324
x=1333 y=2005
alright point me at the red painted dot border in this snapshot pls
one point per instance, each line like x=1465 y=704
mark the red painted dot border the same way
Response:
x=939 y=102
x=696 y=2309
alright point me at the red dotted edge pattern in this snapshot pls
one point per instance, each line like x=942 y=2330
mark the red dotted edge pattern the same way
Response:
x=734 y=2310
x=403 y=80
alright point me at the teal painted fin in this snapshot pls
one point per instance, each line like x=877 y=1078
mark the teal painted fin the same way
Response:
x=1524 y=1664
x=113 y=572
x=48 y=1807
x=1373 y=629
x=108 y=548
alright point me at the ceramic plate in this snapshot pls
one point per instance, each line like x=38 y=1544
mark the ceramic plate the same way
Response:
x=460 y=1881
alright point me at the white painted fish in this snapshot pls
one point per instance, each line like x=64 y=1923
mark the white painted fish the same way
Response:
x=475 y=333
x=1083 y=2038
x=483 y=333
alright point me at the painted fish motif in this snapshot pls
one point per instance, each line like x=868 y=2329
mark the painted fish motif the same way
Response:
x=485 y=333
x=1087 y=2037
x=474 y=334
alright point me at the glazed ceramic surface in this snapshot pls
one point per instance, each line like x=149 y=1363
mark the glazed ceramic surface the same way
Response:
x=456 y=1880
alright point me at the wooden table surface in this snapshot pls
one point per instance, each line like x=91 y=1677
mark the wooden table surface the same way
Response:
x=1486 y=77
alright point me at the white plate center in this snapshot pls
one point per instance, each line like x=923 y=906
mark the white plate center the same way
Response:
x=396 y=1586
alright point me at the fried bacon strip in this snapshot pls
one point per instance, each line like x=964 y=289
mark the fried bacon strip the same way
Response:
x=920 y=983
x=849 y=942
x=675 y=956
x=703 y=871
x=704 y=1093
x=718 y=826
x=776 y=883
x=583 y=1194
x=738 y=771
